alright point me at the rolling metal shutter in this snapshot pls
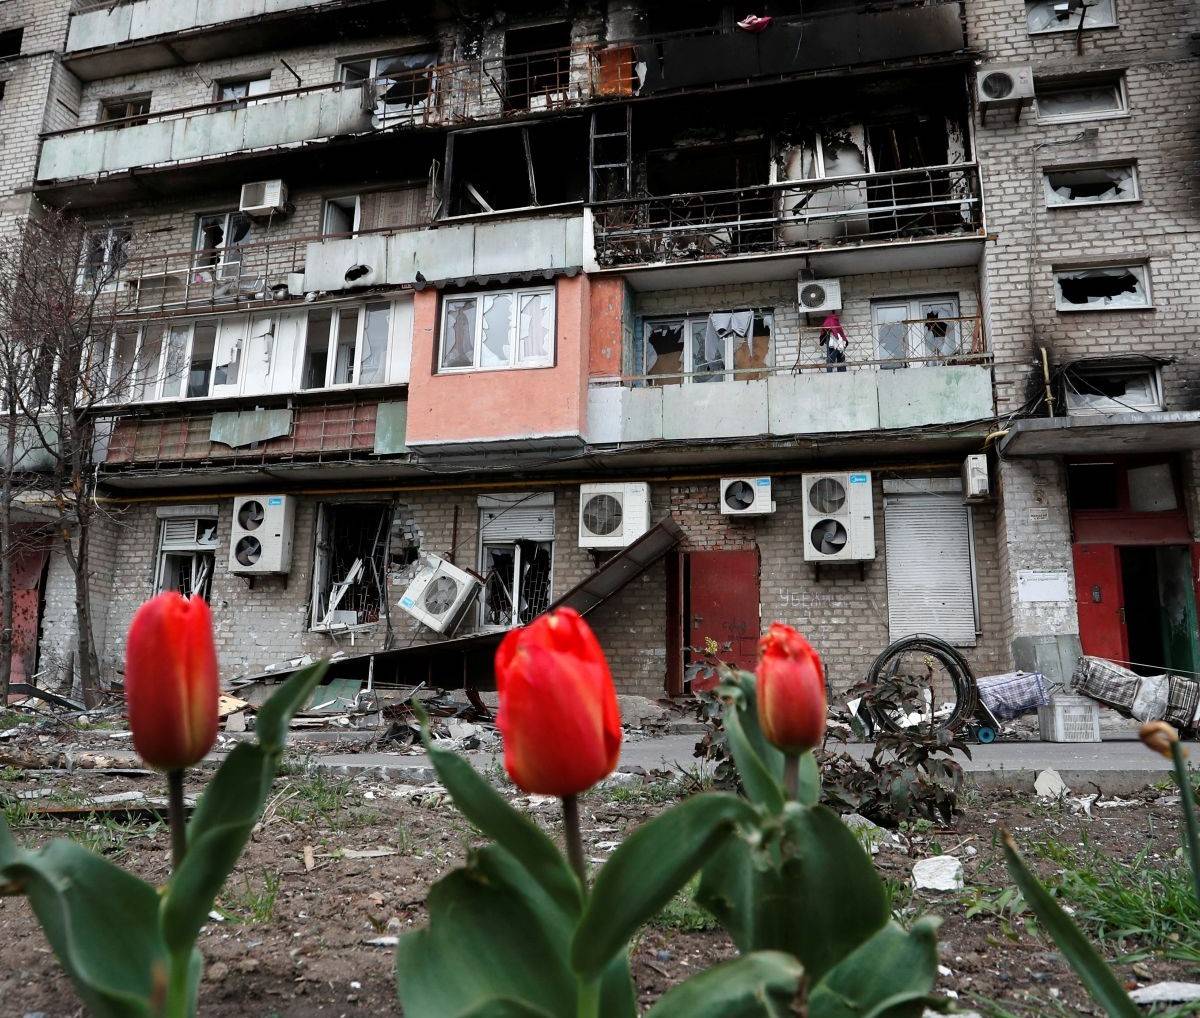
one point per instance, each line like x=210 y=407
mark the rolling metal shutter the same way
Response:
x=930 y=572
x=532 y=523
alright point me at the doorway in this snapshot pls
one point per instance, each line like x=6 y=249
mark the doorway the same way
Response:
x=1137 y=605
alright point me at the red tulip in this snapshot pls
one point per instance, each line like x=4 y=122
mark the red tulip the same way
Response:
x=558 y=710
x=171 y=685
x=791 y=690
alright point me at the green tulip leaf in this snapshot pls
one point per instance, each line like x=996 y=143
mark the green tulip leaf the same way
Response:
x=494 y=934
x=726 y=890
x=829 y=898
x=644 y=873
x=1093 y=972
x=227 y=812
x=271 y=720
x=809 y=790
x=487 y=809
x=758 y=985
x=758 y=780
x=889 y=976
x=80 y=899
x=618 y=997
x=498 y=1007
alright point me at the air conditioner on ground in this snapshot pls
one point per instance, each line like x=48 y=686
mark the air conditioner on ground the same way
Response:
x=613 y=515
x=820 y=295
x=263 y=198
x=440 y=594
x=261 y=539
x=975 y=478
x=746 y=496
x=1004 y=86
x=839 y=517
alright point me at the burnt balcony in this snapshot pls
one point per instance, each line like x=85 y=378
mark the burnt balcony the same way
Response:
x=938 y=203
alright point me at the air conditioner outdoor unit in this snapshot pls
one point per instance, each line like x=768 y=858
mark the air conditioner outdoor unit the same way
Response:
x=975 y=484
x=839 y=517
x=613 y=515
x=263 y=197
x=746 y=496
x=440 y=594
x=1004 y=86
x=261 y=540
x=820 y=295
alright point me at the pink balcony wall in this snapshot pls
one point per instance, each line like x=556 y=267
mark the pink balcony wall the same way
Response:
x=501 y=405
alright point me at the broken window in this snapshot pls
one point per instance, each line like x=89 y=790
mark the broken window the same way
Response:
x=344 y=346
x=495 y=169
x=357 y=546
x=126 y=111
x=340 y=216
x=1091 y=185
x=187 y=360
x=123 y=364
x=403 y=82
x=1111 y=287
x=504 y=329
x=186 y=555
x=218 y=245
x=1081 y=98
x=236 y=91
x=10 y=42
x=149 y=356
x=105 y=254
x=516 y=553
x=708 y=348
x=537 y=66
x=913 y=328
x=1107 y=388
x=1069 y=15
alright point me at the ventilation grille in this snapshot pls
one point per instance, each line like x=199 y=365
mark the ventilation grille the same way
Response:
x=603 y=515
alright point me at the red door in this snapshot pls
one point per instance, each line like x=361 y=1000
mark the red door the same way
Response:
x=1101 y=601
x=27 y=568
x=723 y=604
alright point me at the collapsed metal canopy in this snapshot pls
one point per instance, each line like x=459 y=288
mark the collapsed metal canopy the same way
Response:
x=466 y=661
x=1104 y=434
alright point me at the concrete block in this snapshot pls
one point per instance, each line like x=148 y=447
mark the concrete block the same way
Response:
x=816 y=404
x=941 y=394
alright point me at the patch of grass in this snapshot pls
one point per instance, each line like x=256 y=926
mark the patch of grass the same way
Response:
x=11 y=774
x=900 y=893
x=323 y=793
x=110 y=838
x=254 y=903
x=16 y=813
x=651 y=793
x=683 y=915
x=1004 y=905
x=9 y=719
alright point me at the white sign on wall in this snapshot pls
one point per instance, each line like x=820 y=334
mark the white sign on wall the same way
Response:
x=1043 y=585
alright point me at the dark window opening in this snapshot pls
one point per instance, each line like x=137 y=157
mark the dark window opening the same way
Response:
x=359 y=546
x=1091 y=185
x=1093 y=486
x=517 y=571
x=1116 y=287
x=517 y=167
x=128 y=111
x=537 y=65
x=10 y=42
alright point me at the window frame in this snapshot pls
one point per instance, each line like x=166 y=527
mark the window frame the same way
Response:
x=1138 y=268
x=234 y=102
x=914 y=304
x=1079 y=82
x=1154 y=389
x=514 y=362
x=1068 y=26
x=109 y=105
x=362 y=311
x=1131 y=165
x=338 y=201
x=223 y=252
x=110 y=251
x=513 y=592
x=689 y=375
x=196 y=550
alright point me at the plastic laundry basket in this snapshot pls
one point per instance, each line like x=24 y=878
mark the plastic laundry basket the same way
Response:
x=1070 y=719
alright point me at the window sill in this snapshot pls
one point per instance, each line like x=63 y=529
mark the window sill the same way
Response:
x=490 y=371
x=1072 y=31
x=357 y=628
x=1092 y=204
x=1108 y=310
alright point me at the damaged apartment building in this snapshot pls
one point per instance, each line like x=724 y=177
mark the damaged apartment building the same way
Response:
x=875 y=318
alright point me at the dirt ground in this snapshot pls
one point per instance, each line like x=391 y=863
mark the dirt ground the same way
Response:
x=296 y=941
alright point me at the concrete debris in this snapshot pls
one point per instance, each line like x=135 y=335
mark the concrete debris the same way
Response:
x=382 y=941
x=365 y=853
x=622 y=779
x=1166 y=993
x=1050 y=785
x=639 y=712
x=938 y=873
x=870 y=834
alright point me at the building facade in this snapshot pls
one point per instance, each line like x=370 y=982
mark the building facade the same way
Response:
x=693 y=319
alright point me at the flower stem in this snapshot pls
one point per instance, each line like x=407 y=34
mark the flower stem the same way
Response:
x=588 y=999
x=574 y=841
x=176 y=818
x=1191 y=830
x=791 y=775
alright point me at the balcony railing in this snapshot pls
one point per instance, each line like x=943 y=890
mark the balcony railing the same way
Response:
x=903 y=205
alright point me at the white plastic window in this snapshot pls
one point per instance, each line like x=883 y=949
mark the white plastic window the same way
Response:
x=346 y=346
x=503 y=329
x=1106 y=288
x=1088 y=98
x=1069 y=15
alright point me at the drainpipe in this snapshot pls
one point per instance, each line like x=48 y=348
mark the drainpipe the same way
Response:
x=1046 y=380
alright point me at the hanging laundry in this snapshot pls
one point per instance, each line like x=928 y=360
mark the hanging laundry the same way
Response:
x=753 y=23
x=833 y=338
x=721 y=325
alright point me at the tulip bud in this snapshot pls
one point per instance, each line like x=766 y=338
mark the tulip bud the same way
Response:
x=558 y=711
x=171 y=685
x=791 y=690
x=1158 y=736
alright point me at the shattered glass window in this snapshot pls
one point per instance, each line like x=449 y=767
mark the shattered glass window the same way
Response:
x=175 y=366
x=345 y=347
x=1074 y=99
x=536 y=322
x=204 y=342
x=148 y=360
x=1092 y=185
x=705 y=348
x=506 y=329
x=375 y=343
x=458 y=333
x=1112 y=287
x=517 y=578
x=1069 y=15
x=497 y=326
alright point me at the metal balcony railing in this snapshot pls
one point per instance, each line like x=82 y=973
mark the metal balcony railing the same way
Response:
x=904 y=205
